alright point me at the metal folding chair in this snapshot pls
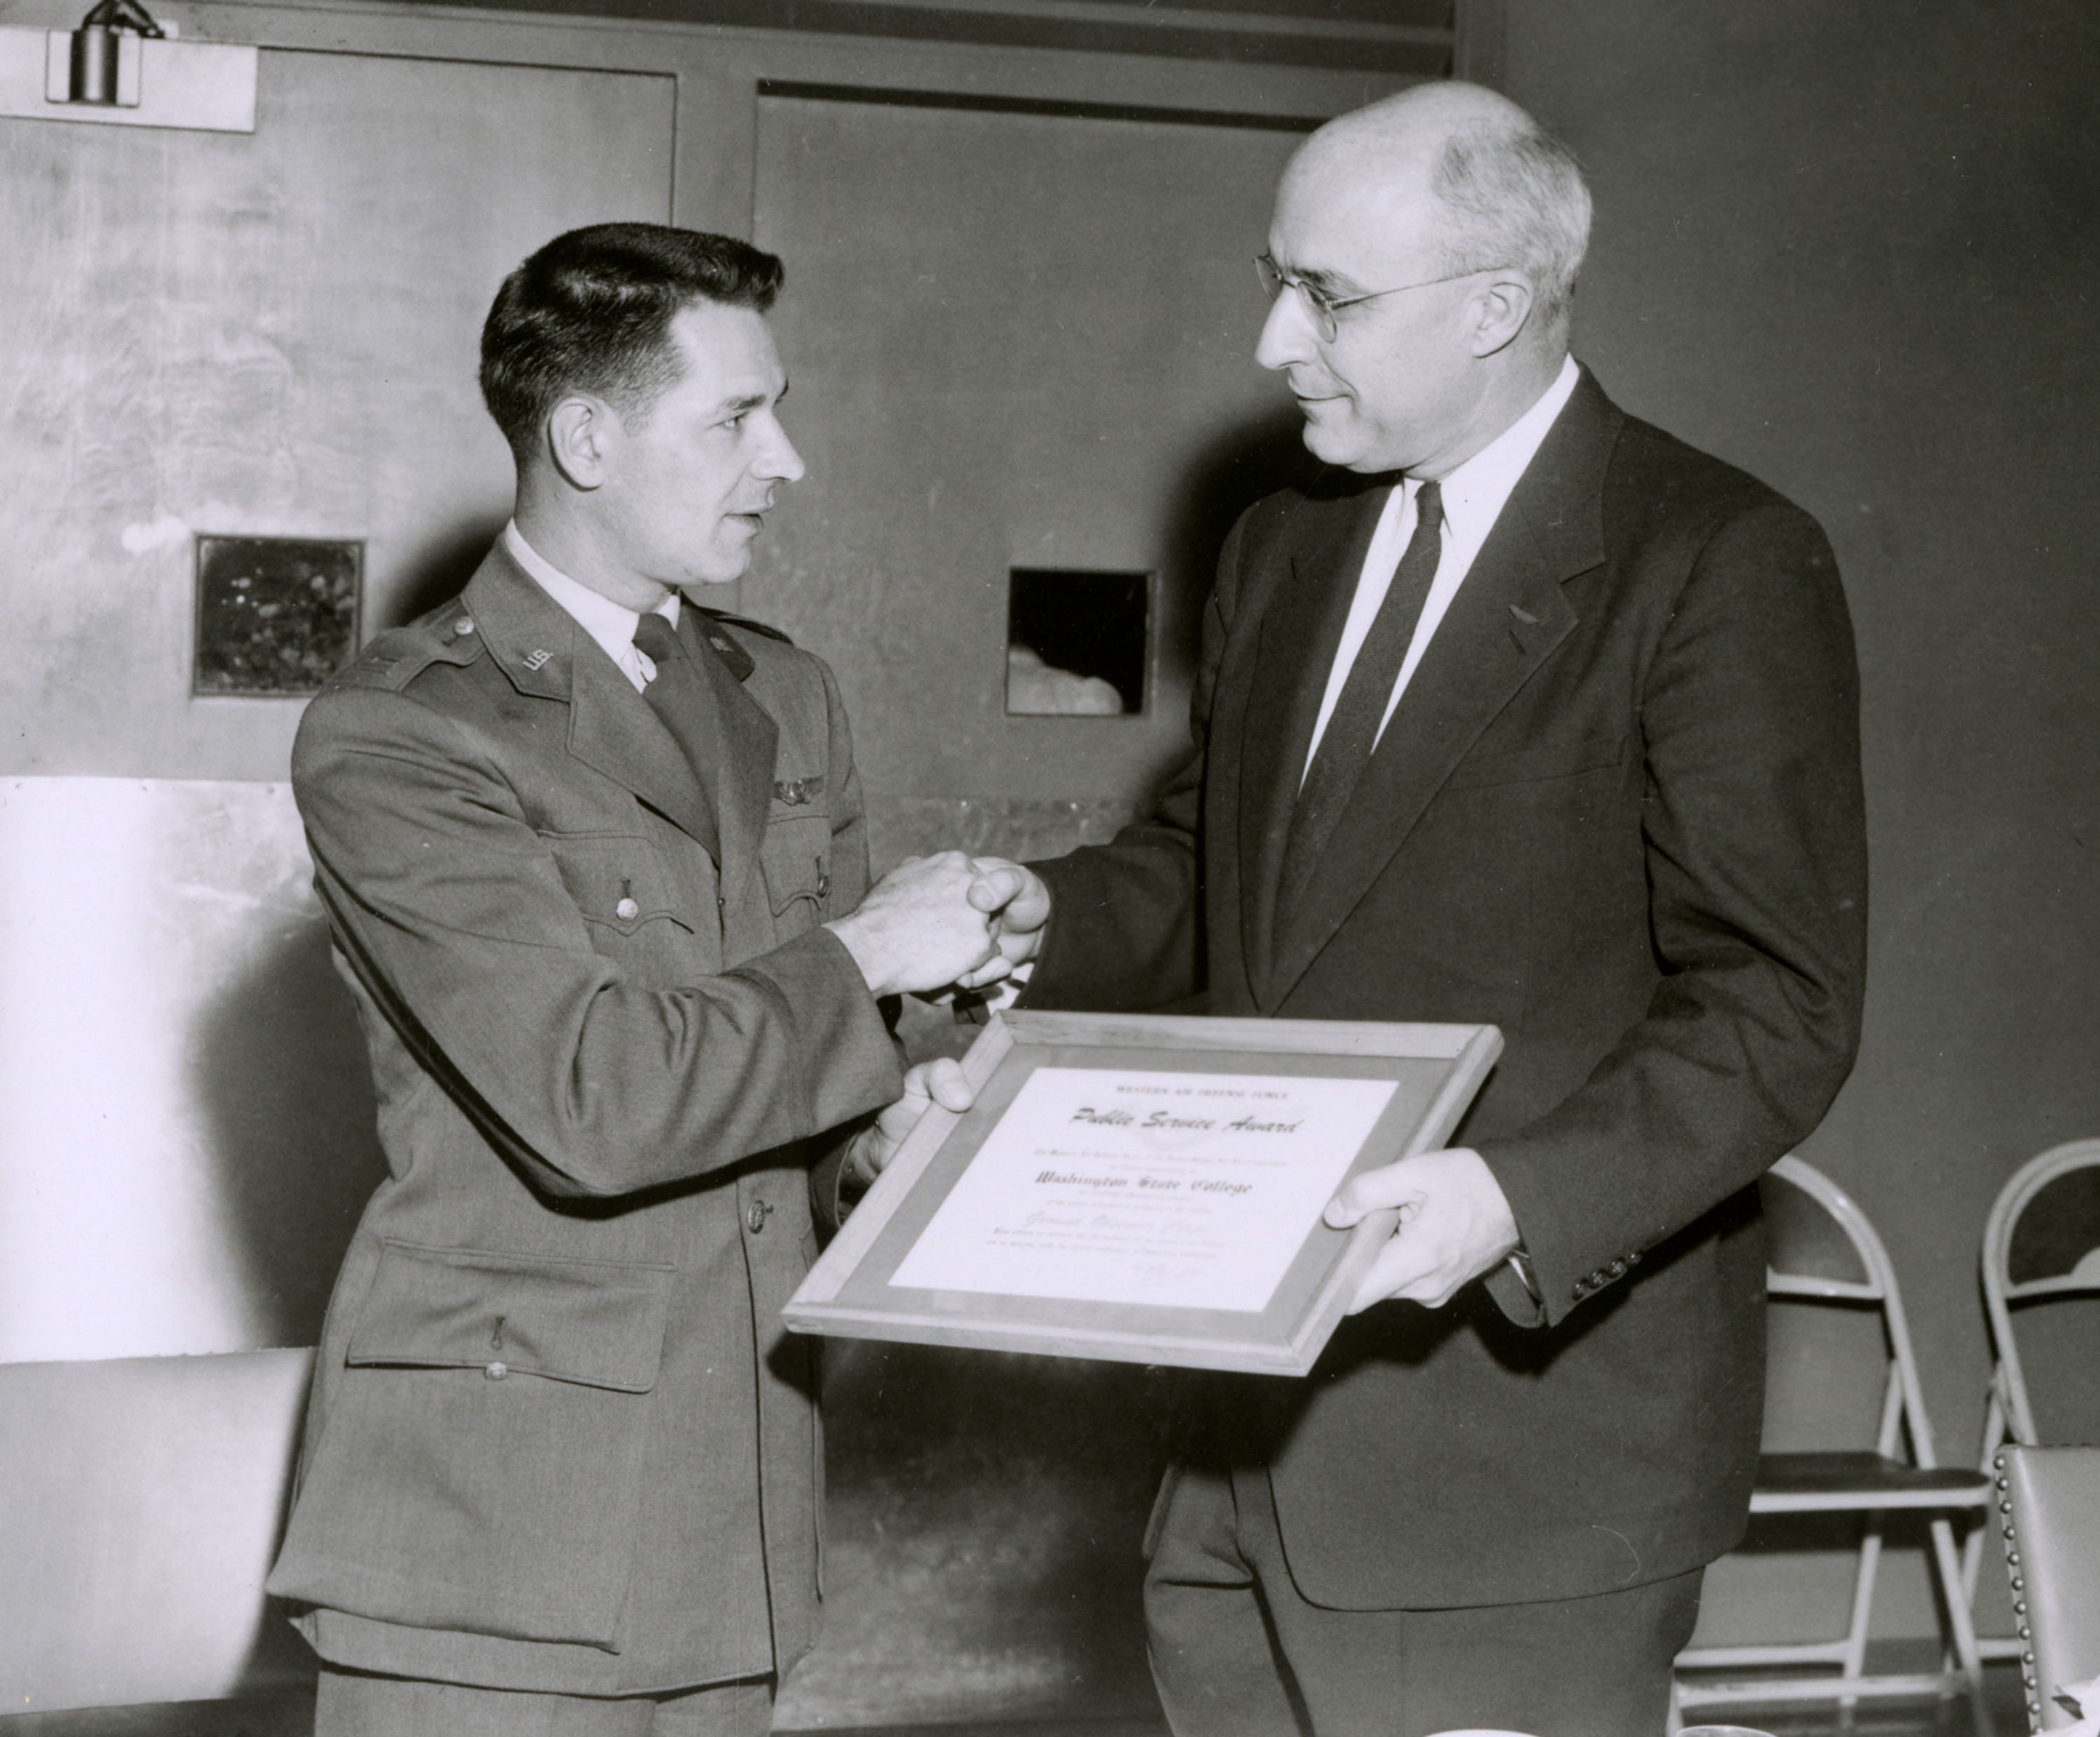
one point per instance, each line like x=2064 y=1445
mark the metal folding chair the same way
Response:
x=1899 y=1474
x=2041 y=1245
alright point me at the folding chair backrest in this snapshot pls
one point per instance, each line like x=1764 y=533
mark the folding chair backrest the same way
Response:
x=1823 y=1250
x=2041 y=1247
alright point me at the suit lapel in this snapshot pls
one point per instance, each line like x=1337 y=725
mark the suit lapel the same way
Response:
x=749 y=739
x=543 y=651
x=1507 y=618
x=1299 y=633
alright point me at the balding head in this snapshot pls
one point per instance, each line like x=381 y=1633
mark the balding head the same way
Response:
x=1468 y=175
x=1432 y=240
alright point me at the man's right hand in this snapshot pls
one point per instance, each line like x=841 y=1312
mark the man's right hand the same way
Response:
x=928 y=923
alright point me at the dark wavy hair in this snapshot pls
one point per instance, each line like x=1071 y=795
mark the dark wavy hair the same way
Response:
x=592 y=311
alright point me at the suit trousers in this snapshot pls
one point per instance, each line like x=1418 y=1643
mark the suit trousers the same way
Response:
x=361 y=1704
x=1236 y=1652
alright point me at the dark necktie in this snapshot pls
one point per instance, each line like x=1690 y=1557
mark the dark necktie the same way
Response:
x=1352 y=730
x=680 y=698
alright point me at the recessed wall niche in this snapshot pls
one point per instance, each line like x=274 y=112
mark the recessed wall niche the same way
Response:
x=1077 y=642
x=276 y=616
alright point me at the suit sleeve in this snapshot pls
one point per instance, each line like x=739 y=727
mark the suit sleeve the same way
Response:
x=452 y=912
x=1126 y=918
x=1754 y=834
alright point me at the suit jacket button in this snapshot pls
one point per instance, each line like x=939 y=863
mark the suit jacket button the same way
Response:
x=464 y=625
x=496 y=1371
x=754 y=1216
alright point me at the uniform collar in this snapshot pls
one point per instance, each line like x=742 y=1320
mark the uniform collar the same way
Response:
x=612 y=624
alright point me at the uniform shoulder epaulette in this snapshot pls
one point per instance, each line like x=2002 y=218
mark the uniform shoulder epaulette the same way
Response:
x=445 y=635
x=745 y=621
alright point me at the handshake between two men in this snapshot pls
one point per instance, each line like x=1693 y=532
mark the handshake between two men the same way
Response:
x=952 y=921
x=932 y=924
x=945 y=922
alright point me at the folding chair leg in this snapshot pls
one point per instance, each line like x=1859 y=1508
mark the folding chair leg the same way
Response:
x=1863 y=1603
x=1972 y=1545
x=1949 y=1576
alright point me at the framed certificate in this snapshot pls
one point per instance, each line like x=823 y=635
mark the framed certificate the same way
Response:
x=1143 y=1187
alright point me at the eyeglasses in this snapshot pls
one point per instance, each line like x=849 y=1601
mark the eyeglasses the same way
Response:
x=1324 y=307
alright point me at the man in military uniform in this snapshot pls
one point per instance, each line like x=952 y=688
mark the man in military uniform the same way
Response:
x=595 y=862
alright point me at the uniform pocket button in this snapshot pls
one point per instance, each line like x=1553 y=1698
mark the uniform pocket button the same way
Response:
x=627 y=910
x=754 y=1216
x=496 y=1371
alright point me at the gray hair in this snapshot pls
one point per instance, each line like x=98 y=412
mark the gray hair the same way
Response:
x=1516 y=197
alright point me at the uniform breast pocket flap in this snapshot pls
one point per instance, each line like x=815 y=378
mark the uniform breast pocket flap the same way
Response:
x=618 y=881
x=795 y=857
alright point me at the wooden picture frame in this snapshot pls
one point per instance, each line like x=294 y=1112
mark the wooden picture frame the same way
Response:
x=1429 y=1074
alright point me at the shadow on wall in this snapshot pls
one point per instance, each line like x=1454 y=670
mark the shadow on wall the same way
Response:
x=982 y=1558
x=439 y=572
x=286 y=1095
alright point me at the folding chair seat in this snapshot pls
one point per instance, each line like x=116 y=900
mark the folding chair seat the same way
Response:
x=2041 y=1249
x=2050 y=1499
x=1826 y=1254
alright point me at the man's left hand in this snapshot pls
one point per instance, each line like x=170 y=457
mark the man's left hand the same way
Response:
x=1454 y=1225
x=929 y=1083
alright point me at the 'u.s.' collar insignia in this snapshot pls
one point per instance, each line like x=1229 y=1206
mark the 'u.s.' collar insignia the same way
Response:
x=535 y=659
x=796 y=791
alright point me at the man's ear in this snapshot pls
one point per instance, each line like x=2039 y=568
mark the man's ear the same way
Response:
x=1500 y=312
x=582 y=433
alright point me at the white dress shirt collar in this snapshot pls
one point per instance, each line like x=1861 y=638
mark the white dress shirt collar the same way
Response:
x=612 y=624
x=1477 y=490
x=1474 y=494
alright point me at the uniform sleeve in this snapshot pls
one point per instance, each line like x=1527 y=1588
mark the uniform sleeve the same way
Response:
x=452 y=913
x=1754 y=834
x=833 y=1189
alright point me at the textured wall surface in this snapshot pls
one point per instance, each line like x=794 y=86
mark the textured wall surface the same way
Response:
x=266 y=335
x=1015 y=341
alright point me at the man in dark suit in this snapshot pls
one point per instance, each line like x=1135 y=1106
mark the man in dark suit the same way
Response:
x=1528 y=714
x=594 y=860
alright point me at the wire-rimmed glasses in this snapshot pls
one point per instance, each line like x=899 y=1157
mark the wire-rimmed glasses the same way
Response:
x=1323 y=307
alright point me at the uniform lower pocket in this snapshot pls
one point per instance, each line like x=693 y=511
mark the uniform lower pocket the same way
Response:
x=476 y=1462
